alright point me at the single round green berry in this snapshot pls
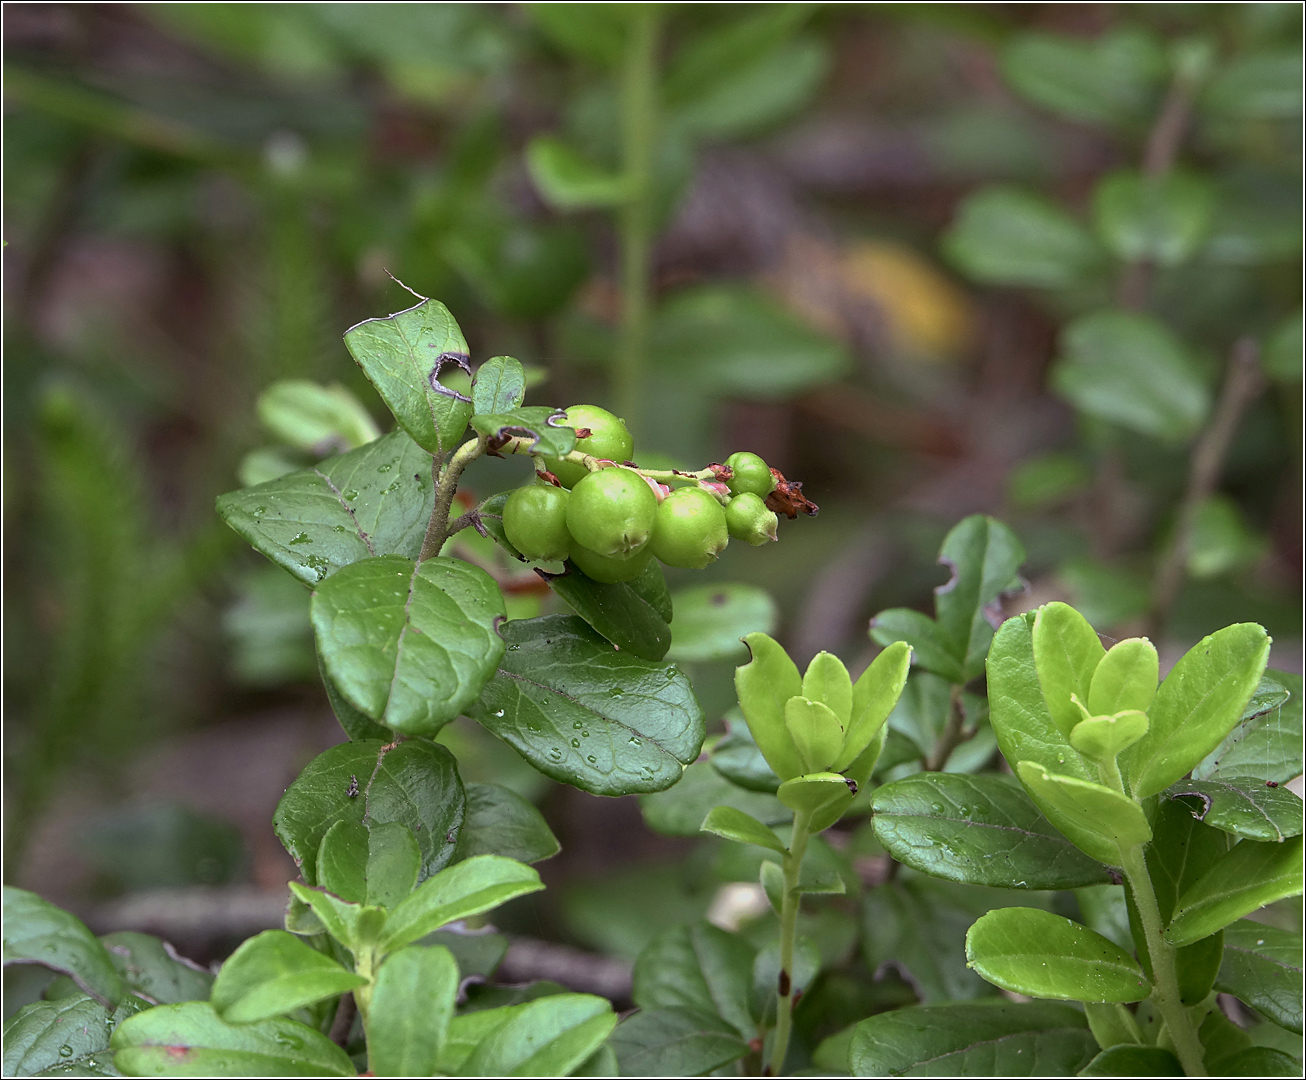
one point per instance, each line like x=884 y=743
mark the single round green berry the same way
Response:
x=607 y=438
x=611 y=512
x=748 y=519
x=690 y=529
x=751 y=473
x=535 y=519
x=607 y=570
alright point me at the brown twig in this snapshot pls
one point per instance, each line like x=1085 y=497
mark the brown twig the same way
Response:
x=1242 y=383
x=344 y=1021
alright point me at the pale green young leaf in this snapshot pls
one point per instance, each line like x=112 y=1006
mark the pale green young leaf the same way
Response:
x=1247 y=878
x=353 y=925
x=1125 y=678
x=1102 y=820
x=828 y=682
x=275 y=973
x=763 y=685
x=412 y=1004
x=1066 y=653
x=874 y=696
x=1102 y=738
x=569 y=181
x=815 y=731
x=819 y=794
x=732 y=824
x=405 y=356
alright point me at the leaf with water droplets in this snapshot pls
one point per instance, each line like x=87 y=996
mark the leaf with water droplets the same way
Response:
x=375 y=500
x=37 y=932
x=65 y=1034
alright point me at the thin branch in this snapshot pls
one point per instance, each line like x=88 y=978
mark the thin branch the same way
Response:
x=446 y=486
x=954 y=734
x=1243 y=381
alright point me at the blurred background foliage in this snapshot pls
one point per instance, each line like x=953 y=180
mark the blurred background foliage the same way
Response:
x=929 y=259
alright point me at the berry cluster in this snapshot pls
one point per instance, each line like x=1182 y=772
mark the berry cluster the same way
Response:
x=596 y=508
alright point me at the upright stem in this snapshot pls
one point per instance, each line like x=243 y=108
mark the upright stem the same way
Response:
x=954 y=733
x=639 y=138
x=1165 y=983
x=446 y=486
x=784 y=1012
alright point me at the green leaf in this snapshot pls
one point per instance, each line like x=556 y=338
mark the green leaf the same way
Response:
x=536 y=422
x=1267 y=743
x=415 y=783
x=499 y=386
x=520 y=269
x=732 y=824
x=1258 y=1061
x=1221 y=540
x=1124 y=679
x=1103 y=819
x=736 y=341
x=1066 y=654
x=737 y=758
x=1034 y=952
x=404 y=355
x=1263 y=966
x=342 y=861
x=37 y=932
x=1115 y=80
x=394 y=861
x=320 y=419
x=674 y=1042
x=1130 y=369
x=1158 y=220
x=711 y=620
x=548 y=1037
x=409 y=645
x=70 y=1031
x=978 y=829
x=874 y=696
x=412 y=1004
x=701 y=969
x=375 y=500
x=1001 y=1039
x=458 y=892
x=931 y=649
x=984 y=557
x=1196 y=707
x=683 y=807
x=569 y=181
x=763 y=685
x=355 y=724
x=828 y=683
x=1250 y=810
x=619 y=612
x=583 y=713
x=594 y=32
x=274 y=973
x=501 y=822
x=152 y=969
x=192 y=1040
x=818 y=794
x=1133 y=1061
x=1282 y=357
x=1249 y=877
x=356 y=926
x=1005 y=236
x=816 y=733
x=1265 y=82
x=766 y=975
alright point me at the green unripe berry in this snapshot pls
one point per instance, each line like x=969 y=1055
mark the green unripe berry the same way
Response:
x=535 y=519
x=608 y=439
x=611 y=512
x=748 y=519
x=751 y=473
x=606 y=570
x=690 y=529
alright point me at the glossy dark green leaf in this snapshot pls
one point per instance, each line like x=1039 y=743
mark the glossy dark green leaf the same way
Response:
x=931 y=648
x=1034 y=952
x=405 y=355
x=983 y=830
x=681 y=809
x=1005 y=236
x=1249 y=877
x=584 y=713
x=711 y=619
x=1001 y=1039
x=1263 y=966
x=732 y=824
x=275 y=973
x=68 y=1032
x=415 y=783
x=412 y=1004
x=409 y=645
x=1197 y=705
x=375 y=500
x=1133 y=1061
x=1116 y=79
x=152 y=970
x=1258 y=1061
x=737 y=758
x=545 y=428
x=499 y=386
x=342 y=861
x=984 y=557
x=700 y=968
x=1103 y=820
x=1162 y=221
x=1130 y=369
x=356 y=725
x=37 y=932
x=313 y=417
x=1248 y=809
x=394 y=861
x=192 y=1040
x=674 y=1042
x=458 y=892
x=1267 y=743
x=618 y=612
x=547 y=1037
x=501 y=822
